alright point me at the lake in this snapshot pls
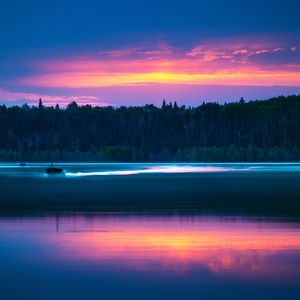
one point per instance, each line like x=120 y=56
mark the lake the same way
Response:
x=150 y=231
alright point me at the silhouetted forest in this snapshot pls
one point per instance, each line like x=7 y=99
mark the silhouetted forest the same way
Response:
x=260 y=131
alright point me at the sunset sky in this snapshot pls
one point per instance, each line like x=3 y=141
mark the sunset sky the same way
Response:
x=134 y=52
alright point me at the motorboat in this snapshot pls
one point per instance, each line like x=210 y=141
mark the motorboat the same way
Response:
x=54 y=170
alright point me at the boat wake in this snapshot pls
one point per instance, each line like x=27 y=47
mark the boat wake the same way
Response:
x=160 y=169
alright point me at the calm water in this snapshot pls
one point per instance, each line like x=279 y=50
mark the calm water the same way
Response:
x=142 y=231
x=266 y=187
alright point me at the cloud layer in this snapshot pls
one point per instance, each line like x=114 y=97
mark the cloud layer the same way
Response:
x=265 y=64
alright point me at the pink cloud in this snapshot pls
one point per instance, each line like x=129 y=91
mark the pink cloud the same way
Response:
x=262 y=51
x=212 y=51
x=50 y=100
x=117 y=53
x=195 y=51
x=243 y=51
x=227 y=56
x=293 y=49
x=155 y=52
x=207 y=55
x=161 y=50
x=270 y=50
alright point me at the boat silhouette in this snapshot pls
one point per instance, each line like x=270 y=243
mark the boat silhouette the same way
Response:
x=54 y=170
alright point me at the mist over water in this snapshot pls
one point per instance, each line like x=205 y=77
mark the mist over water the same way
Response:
x=165 y=231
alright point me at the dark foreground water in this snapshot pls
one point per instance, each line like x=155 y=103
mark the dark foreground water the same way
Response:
x=129 y=231
x=244 y=187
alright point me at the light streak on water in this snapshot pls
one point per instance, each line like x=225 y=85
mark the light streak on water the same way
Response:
x=161 y=169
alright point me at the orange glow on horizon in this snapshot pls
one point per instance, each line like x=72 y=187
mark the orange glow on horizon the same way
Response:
x=241 y=77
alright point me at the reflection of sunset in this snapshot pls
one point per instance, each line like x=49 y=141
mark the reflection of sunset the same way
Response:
x=236 y=247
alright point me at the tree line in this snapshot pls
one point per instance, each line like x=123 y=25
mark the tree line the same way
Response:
x=254 y=131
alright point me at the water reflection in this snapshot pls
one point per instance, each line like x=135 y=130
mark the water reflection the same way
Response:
x=225 y=246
